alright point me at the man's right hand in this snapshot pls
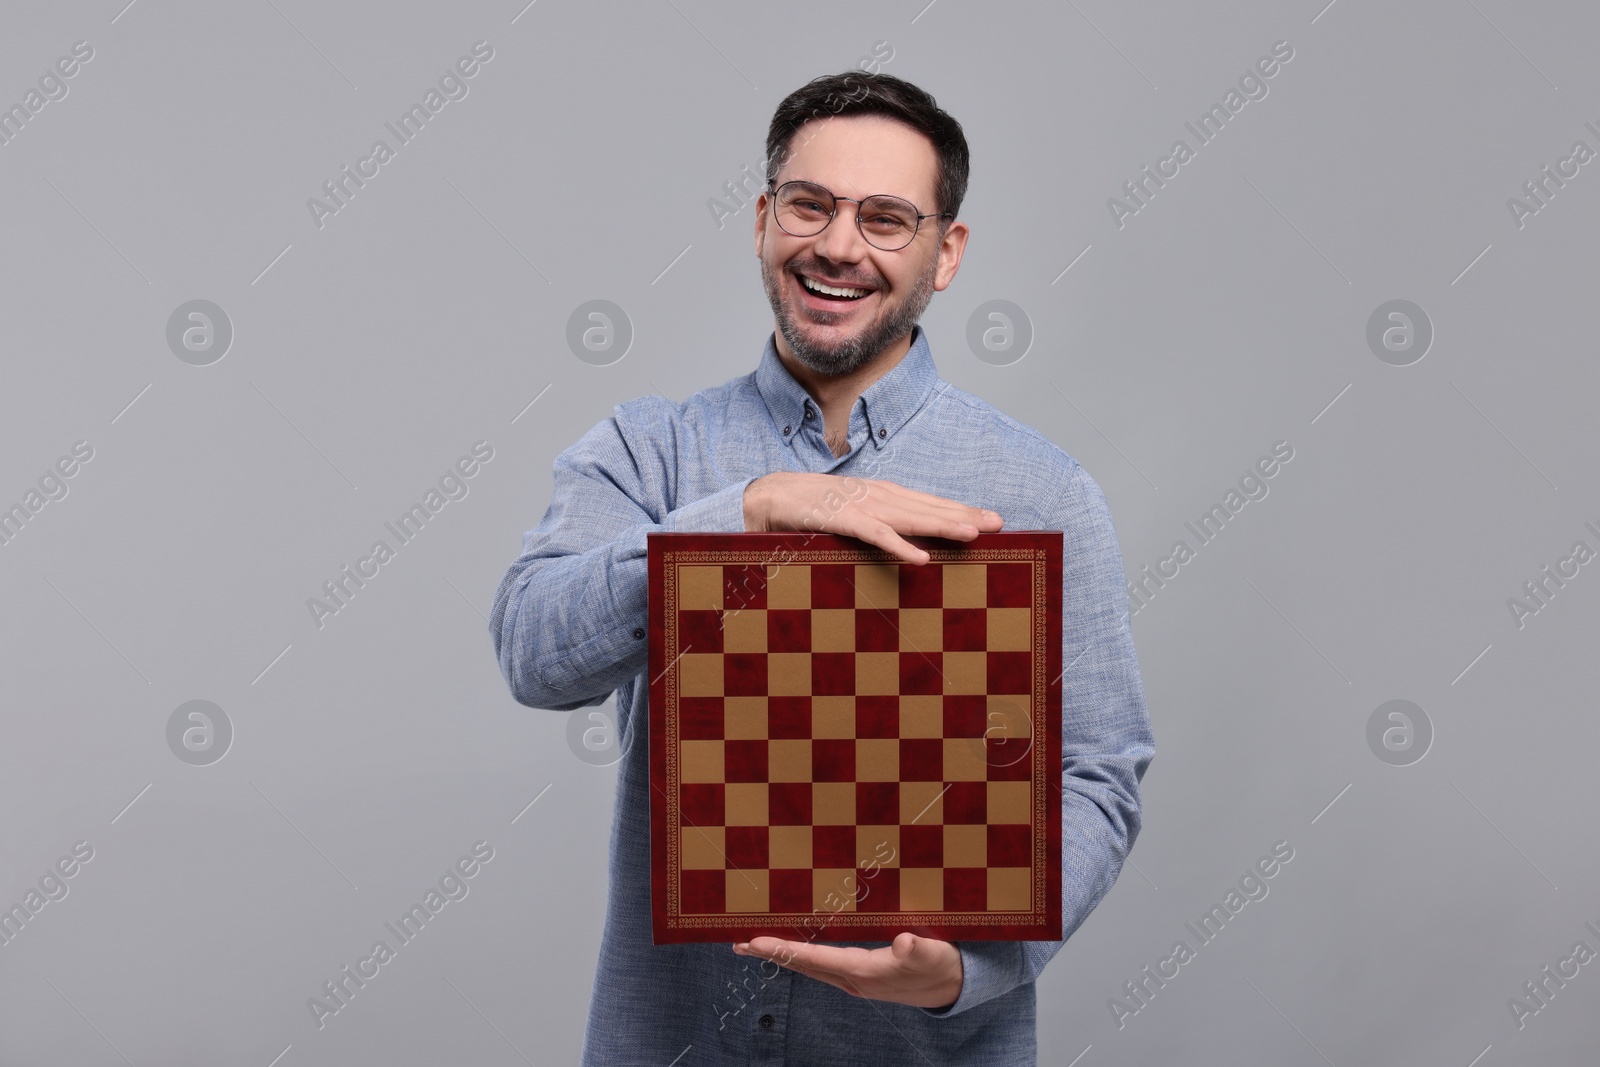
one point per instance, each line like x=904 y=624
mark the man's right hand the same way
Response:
x=877 y=512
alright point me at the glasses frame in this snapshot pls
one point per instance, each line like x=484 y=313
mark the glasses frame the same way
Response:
x=776 y=189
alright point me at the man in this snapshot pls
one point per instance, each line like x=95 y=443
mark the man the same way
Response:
x=844 y=426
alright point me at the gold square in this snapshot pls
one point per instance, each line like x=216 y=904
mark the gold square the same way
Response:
x=921 y=716
x=833 y=630
x=833 y=803
x=833 y=716
x=748 y=890
x=921 y=629
x=1010 y=629
x=833 y=890
x=964 y=760
x=700 y=761
x=877 y=585
x=699 y=588
x=789 y=674
x=789 y=846
x=966 y=845
x=1010 y=802
x=744 y=630
x=881 y=844
x=1010 y=889
x=789 y=760
x=877 y=759
x=745 y=804
x=789 y=586
x=744 y=718
x=704 y=848
x=966 y=672
x=921 y=889
x=877 y=673
x=966 y=585
x=700 y=674
x=1010 y=729
x=922 y=803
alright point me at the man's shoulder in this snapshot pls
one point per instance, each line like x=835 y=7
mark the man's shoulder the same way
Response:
x=980 y=421
x=712 y=404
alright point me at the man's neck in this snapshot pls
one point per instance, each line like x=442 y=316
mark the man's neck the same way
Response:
x=836 y=394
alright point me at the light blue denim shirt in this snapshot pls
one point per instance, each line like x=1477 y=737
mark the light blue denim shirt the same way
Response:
x=569 y=624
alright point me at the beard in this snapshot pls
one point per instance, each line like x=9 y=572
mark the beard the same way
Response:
x=894 y=320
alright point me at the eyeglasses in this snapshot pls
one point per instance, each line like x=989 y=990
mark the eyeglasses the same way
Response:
x=888 y=223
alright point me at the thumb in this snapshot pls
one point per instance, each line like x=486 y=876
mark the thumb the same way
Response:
x=905 y=946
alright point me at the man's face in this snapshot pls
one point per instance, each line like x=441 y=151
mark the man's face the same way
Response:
x=856 y=156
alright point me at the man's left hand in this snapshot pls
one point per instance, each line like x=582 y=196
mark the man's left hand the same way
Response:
x=919 y=971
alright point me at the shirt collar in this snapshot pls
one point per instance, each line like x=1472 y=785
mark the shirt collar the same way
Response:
x=885 y=406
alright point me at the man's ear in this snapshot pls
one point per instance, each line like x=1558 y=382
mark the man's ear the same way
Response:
x=951 y=247
x=761 y=219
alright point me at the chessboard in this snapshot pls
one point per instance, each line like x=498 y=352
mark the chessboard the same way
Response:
x=844 y=746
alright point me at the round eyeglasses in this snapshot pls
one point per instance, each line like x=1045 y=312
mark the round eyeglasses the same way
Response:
x=888 y=223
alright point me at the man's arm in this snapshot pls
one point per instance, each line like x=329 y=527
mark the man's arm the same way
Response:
x=1106 y=744
x=569 y=617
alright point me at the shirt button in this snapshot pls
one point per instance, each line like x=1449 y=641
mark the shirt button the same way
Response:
x=809 y=412
x=882 y=433
x=766 y=1022
x=638 y=633
x=786 y=431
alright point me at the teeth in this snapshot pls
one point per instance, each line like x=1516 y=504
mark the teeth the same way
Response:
x=832 y=290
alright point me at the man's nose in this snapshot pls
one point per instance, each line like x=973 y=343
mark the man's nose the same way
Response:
x=842 y=242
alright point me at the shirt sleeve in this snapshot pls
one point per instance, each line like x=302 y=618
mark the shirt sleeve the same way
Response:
x=1106 y=743
x=570 y=615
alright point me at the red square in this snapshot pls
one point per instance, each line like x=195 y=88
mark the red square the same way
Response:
x=744 y=586
x=1011 y=845
x=921 y=587
x=699 y=631
x=789 y=889
x=966 y=888
x=744 y=674
x=966 y=629
x=965 y=716
x=744 y=761
x=966 y=802
x=746 y=847
x=788 y=631
x=921 y=673
x=833 y=759
x=877 y=803
x=921 y=759
x=1010 y=672
x=1010 y=585
x=833 y=585
x=877 y=630
x=1011 y=761
x=704 y=892
x=877 y=889
x=789 y=803
x=833 y=674
x=700 y=718
x=833 y=846
x=788 y=717
x=921 y=845
x=878 y=716
x=702 y=803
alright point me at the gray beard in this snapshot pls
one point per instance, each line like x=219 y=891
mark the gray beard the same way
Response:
x=894 y=322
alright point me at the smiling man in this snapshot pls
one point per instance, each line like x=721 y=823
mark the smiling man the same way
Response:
x=844 y=426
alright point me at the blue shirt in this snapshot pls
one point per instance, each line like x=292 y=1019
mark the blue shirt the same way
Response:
x=569 y=624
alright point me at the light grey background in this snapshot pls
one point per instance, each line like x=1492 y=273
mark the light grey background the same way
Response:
x=369 y=354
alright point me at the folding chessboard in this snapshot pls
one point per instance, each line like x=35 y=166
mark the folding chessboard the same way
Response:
x=844 y=747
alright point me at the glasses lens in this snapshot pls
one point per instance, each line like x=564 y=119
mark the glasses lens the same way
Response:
x=803 y=209
x=888 y=222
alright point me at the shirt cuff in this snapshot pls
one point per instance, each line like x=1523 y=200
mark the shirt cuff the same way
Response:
x=988 y=969
x=721 y=512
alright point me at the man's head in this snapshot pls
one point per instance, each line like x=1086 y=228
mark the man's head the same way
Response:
x=858 y=135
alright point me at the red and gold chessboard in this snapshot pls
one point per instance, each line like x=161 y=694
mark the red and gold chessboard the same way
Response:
x=844 y=747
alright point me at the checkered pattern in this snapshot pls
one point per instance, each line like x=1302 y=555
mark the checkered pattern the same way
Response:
x=854 y=737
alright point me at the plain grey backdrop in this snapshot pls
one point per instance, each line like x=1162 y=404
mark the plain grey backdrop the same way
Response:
x=1422 y=545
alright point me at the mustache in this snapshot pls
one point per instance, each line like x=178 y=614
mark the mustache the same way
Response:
x=815 y=268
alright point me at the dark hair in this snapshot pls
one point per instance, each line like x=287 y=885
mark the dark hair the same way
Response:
x=858 y=92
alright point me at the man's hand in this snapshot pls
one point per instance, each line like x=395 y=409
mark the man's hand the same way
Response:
x=919 y=971
x=877 y=512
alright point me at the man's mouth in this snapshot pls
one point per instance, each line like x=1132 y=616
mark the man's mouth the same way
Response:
x=833 y=292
